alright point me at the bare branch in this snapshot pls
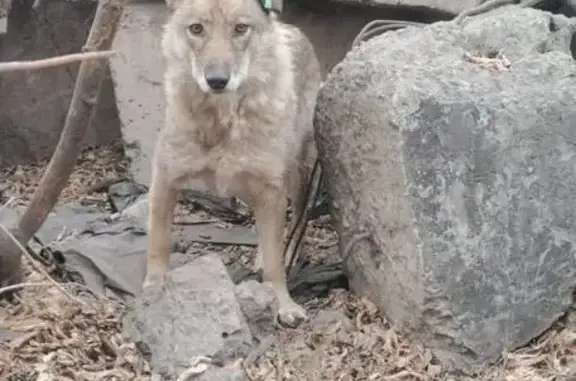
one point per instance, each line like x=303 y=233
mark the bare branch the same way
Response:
x=54 y=61
x=294 y=239
x=56 y=175
x=38 y=267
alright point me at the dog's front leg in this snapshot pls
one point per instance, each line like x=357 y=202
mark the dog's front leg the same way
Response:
x=161 y=203
x=269 y=211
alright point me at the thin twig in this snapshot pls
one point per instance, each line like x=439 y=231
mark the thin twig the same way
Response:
x=10 y=201
x=298 y=228
x=54 y=61
x=72 y=284
x=23 y=285
x=38 y=267
x=280 y=356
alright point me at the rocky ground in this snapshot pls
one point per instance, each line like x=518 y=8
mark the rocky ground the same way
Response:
x=67 y=333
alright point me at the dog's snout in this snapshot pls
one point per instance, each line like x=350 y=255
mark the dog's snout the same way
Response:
x=217 y=83
x=217 y=77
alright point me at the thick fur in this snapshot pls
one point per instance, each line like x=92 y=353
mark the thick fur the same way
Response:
x=253 y=140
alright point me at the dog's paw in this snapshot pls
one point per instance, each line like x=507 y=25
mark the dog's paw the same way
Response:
x=153 y=279
x=291 y=314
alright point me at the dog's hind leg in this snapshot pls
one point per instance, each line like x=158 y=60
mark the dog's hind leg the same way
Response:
x=161 y=202
x=269 y=204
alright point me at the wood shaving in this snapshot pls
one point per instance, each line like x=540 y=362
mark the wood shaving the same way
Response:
x=498 y=63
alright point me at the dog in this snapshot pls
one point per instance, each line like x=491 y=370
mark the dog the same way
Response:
x=241 y=89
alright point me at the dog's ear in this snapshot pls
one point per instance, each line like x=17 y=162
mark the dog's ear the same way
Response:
x=173 y=4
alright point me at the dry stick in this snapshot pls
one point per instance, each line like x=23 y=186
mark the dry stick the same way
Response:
x=23 y=285
x=53 y=61
x=294 y=239
x=37 y=266
x=10 y=201
x=55 y=177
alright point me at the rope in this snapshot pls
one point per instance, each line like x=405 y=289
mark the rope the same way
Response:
x=377 y=27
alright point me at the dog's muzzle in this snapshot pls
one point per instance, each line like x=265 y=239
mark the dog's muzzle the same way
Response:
x=217 y=77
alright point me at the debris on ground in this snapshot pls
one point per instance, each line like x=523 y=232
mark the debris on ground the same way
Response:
x=46 y=336
x=95 y=170
x=497 y=63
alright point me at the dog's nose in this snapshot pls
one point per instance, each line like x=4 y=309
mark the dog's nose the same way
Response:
x=217 y=82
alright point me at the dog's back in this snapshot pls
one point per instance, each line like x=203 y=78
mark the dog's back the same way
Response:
x=306 y=83
x=307 y=75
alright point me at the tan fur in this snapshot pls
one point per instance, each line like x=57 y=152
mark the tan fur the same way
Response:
x=254 y=140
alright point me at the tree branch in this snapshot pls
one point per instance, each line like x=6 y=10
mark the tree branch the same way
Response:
x=53 y=61
x=56 y=175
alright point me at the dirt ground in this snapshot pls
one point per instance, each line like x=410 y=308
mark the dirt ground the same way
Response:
x=66 y=333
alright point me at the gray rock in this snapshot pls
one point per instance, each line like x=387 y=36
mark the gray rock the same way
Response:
x=124 y=193
x=195 y=313
x=259 y=306
x=34 y=104
x=462 y=176
x=138 y=209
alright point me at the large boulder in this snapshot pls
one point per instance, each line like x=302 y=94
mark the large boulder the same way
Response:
x=463 y=178
x=34 y=104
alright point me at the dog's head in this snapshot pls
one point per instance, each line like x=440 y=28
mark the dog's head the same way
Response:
x=217 y=39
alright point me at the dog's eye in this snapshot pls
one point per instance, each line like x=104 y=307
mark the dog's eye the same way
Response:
x=196 y=28
x=241 y=29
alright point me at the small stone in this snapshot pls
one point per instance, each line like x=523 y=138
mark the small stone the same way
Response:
x=194 y=313
x=259 y=306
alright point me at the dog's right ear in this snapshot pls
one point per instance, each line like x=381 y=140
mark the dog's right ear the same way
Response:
x=173 y=4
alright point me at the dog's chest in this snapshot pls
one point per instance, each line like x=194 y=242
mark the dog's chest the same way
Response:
x=235 y=139
x=244 y=152
x=226 y=169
